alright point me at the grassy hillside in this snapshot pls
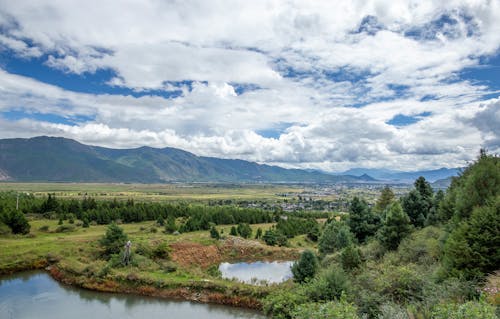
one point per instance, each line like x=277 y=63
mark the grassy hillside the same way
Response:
x=60 y=159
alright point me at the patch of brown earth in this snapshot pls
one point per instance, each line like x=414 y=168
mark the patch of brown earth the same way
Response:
x=193 y=254
x=233 y=248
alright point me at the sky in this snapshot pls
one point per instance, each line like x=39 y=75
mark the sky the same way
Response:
x=327 y=85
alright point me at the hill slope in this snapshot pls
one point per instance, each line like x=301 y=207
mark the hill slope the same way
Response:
x=60 y=159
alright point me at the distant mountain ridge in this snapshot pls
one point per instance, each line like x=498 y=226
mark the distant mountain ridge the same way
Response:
x=59 y=159
x=400 y=176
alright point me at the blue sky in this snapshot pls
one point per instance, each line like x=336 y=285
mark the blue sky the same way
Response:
x=322 y=85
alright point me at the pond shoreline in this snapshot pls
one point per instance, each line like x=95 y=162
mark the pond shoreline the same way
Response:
x=199 y=291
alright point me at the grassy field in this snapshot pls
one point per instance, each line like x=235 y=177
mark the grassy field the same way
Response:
x=190 y=262
x=156 y=192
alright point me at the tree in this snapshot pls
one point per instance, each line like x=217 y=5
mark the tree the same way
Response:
x=17 y=222
x=314 y=232
x=244 y=230
x=85 y=222
x=385 y=200
x=272 y=237
x=160 y=221
x=170 y=226
x=416 y=207
x=113 y=240
x=396 y=226
x=306 y=267
x=233 y=231
x=473 y=247
x=418 y=203
x=335 y=237
x=259 y=233
x=350 y=258
x=214 y=233
x=362 y=222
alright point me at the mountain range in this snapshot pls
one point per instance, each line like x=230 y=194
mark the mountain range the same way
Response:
x=404 y=177
x=59 y=159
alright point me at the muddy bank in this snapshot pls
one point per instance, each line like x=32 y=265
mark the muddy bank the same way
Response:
x=203 y=291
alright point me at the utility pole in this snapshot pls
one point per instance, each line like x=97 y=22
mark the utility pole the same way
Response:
x=17 y=202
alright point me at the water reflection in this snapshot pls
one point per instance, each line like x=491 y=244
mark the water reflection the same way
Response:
x=257 y=272
x=37 y=295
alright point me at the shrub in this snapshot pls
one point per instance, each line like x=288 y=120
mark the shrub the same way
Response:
x=350 y=258
x=329 y=285
x=396 y=227
x=305 y=268
x=472 y=309
x=333 y=309
x=65 y=228
x=390 y=310
x=282 y=304
x=214 y=233
x=472 y=248
x=113 y=240
x=233 y=231
x=335 y=237
x=4 y=229
x=258 y=234
x=85 y=223
x=162 y=251
x=272 y=237
x=244 y=230
x=17 y=222
x=44 y=228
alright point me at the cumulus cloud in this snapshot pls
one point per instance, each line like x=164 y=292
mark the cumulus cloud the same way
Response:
x=339 y=71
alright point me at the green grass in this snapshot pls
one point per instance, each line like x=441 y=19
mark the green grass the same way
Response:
x=155 y=192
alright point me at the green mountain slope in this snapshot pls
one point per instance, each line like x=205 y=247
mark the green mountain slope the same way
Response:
x=60 y=159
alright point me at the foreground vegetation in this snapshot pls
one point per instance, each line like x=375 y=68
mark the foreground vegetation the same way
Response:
x=424 y=255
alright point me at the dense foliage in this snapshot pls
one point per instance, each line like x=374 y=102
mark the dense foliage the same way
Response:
x=427 y=258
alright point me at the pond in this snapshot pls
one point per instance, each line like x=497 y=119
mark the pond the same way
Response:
x=256 y=272
x=37 y=295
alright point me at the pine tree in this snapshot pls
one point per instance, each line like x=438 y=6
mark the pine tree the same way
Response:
x=335 y=237
x=362 y=222
x=170 y=226
x=385 y=200
x=113 y=240
x=396 y=226
x=233 y=231
x=214 y=233
x=305 y=268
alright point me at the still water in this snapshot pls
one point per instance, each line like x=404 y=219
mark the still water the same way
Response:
x=272 y=272
x=37 y=295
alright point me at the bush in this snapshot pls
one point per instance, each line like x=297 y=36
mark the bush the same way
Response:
x=472 y=248
x=244 y=230
x=4 y=229
x=403 y=284
x=396 y=227
x=422 y=246
x=272 y=237
x=65 y=228
x=329 y=285
x=350 y=258
x=469 y=310
x=214 y=233
x=44 y=228
x=336 y=309
x=305 y=268
x=162 y=251
x=17 y=222
x=335 y=237
x=391 y=310
x=282 y=304
x=113 y=240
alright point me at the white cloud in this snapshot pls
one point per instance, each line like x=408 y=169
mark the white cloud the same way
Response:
x=306 y=62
